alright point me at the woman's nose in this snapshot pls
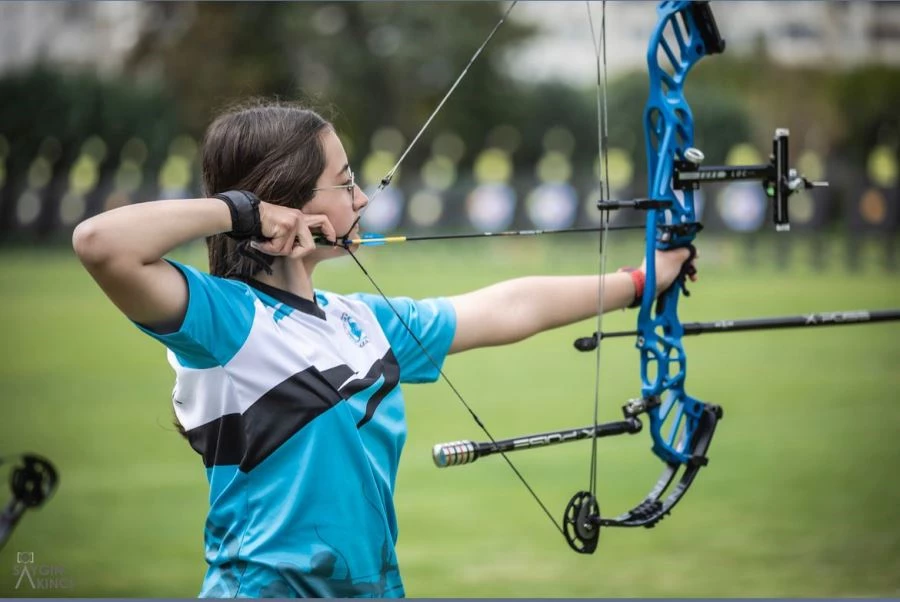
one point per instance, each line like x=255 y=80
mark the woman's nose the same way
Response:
x=361 y=198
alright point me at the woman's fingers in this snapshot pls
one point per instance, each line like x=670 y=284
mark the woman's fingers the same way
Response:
x=321 y=225
x=328 y=231
x=693 y=273
x=291 y=232
x=303 y=242
x=271 y=246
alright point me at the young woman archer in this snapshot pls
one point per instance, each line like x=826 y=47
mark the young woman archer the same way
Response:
x=291 y=394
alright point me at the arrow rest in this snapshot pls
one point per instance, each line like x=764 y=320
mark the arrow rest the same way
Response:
x=581 y=523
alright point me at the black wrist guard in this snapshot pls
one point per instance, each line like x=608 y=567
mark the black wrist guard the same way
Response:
x=244 y=207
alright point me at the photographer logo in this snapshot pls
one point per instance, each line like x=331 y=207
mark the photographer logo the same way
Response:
x=39 y=576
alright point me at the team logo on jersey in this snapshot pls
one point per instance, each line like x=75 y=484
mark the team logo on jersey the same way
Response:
x=354 y=331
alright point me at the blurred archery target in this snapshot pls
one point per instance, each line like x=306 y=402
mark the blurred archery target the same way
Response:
x=589 y=206
x=28 y=207
x=742 y=206
x=386 y=214
x=876 y=209
x=881 y=166
x=552 y=205
x=491 y=206
x=801 y=208
x=72 y=208
x=425 y=208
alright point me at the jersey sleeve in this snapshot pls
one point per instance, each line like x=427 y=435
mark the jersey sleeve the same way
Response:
x=216 y=324
x=432 y=321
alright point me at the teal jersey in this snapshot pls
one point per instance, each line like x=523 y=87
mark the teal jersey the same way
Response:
x=295 y=407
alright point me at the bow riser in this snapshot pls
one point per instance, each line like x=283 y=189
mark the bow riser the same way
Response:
x=683 y=33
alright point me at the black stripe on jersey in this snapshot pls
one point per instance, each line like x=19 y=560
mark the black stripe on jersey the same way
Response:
x=249 y=438
x=306 y=306
x=387 y=367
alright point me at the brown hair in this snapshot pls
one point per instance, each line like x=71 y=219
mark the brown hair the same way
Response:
x=271 y=149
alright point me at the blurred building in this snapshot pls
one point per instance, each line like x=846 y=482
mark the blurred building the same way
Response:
x=811 y=33
x=78 y=34
x=806 y=32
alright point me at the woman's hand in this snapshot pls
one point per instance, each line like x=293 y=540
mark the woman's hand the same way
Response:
x=668 y=266
x=289 y=232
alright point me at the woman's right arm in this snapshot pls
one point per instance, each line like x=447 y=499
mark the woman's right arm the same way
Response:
x=123 y=248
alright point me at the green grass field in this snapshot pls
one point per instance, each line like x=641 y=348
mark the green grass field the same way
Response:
x=801 y=497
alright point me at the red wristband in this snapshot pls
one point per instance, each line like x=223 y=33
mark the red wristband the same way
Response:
x=639 y=280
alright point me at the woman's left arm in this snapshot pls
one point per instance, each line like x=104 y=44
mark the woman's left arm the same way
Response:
x=514 y=310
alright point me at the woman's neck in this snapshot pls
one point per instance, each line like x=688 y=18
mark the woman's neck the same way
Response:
x=291 y=275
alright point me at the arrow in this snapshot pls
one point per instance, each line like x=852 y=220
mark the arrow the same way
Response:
x=372 y=239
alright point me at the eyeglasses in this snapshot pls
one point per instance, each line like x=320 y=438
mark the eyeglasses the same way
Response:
x=351 y=187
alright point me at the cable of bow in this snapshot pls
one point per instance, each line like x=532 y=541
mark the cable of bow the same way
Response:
x=582 y=514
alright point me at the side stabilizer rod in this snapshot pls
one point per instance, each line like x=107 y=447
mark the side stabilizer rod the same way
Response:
x=834 y=318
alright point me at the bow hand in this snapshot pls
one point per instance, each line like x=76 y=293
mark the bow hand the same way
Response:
x=674 y=266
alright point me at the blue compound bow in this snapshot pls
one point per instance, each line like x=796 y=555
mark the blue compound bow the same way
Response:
x=681 y=427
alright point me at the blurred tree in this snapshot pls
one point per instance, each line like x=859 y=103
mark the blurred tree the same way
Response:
x=775 y=95
x=44 y=103
x=343 y=58
x=236 y=50
x=866 y=98
x=721 y=119
x=369 y=65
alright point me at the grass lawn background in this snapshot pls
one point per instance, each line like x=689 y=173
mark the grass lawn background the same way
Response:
x=801 y=496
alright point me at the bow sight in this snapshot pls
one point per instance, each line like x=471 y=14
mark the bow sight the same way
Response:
x=778 y=180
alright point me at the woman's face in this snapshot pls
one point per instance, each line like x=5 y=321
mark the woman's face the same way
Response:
x=337 y=196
